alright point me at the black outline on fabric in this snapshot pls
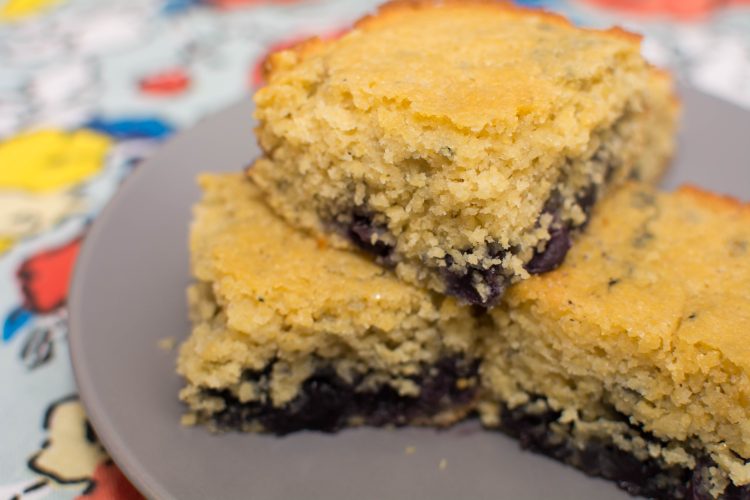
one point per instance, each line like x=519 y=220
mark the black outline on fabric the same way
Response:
x=35 y=486
x=89 y=481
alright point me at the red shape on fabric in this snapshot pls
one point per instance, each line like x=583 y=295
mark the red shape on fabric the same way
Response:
x=682 y=9
x=256 y=74
x=109 y=483
x=165 y=83
x=44 y=277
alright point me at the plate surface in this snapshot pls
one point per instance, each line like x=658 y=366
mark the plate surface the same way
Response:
x=129 y=292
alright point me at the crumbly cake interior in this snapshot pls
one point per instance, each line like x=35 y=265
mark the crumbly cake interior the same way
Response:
x=636 y=343
x=282 y=321
x=466 y=145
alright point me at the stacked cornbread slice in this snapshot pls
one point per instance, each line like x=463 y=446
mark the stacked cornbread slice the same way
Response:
x=461 y=144
x=291 y=333
x=631 y=361
x=452 y=216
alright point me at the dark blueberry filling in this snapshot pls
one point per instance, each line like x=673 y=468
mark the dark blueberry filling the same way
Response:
x=327 y=402
x=587 y=199
x=462 y=283
x=698 y=488
x=600 y=458
x=554 y=253
x=559 y=243
x=361 y=230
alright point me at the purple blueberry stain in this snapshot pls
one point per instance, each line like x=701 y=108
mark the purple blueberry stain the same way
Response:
x=368 y=236
x=543 y=433
x=326 y=402
x=462 y=283
x=554 y=253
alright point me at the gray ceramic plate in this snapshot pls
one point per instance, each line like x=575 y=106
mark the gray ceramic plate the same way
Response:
x=128 y=293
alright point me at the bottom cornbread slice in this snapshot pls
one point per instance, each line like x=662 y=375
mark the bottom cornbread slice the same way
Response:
x=290 y=334
x=629 y=362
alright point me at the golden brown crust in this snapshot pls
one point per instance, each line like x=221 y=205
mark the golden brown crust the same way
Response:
x=270 y=63
x=713 y=201
x=401 y=6
x=665 y=75
x=396 y=8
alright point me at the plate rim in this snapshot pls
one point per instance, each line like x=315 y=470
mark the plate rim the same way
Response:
x=133 y=469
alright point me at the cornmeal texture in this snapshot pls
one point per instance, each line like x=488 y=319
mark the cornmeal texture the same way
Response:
x=637 y=345
x=462 y=143
x=290 y=333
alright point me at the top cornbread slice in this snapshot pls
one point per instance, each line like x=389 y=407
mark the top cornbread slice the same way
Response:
x=452 y=139
x=648 y=318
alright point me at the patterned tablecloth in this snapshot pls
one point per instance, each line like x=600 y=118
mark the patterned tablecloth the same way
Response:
x=90 y=87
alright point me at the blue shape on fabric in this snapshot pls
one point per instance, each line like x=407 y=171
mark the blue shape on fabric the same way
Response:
x=132 y=128
x=535 y=3
x=172 y=7
x=17 y=318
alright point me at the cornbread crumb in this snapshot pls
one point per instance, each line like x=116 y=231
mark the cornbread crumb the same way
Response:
x=410 y=450
x=189 y=419
x=167 y=343
x=443 y=464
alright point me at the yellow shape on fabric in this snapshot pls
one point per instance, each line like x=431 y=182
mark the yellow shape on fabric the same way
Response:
x=18 y=9
x=5 y=244
x=24 y=214
x=69 y=455
x=51 y=159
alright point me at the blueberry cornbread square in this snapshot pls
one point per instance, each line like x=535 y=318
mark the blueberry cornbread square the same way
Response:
x=632 y=361
x=460 y=142
x=289 y=333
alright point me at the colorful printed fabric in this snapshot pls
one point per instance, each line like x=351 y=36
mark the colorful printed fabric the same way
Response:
x=88 y=88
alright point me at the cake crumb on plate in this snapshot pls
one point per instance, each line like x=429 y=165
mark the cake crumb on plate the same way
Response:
x=166 y=343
